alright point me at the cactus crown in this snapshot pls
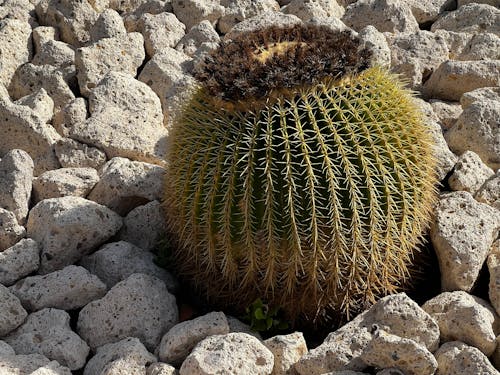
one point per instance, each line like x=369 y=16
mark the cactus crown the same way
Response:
x=253 y=65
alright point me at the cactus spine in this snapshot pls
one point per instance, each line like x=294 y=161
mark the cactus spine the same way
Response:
x=313 y=197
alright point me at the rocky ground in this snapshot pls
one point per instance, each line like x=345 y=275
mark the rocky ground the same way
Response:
x=88 y=89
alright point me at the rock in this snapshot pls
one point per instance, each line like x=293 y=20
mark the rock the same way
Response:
x=477 y=130
x=228 y=354
x=73 y=18
x=237 y=11
x=463 y=317
x=123 y=366
x=489 y=192
x=10 y=231
x=386 y=15
x=15 y=47
x=12 y=313
x=16 y=174
x=40 y=102
x=64 y=181
x=73 y=154
x=30 y=78
x=68 y=228
x=471 y=18
x=116 y=261
x=73 y=113
x=478 y=95
x=18 y=261
x=21 y=128
x=180 y=340
x=126 y=120
x=161 y=369
x=287 y=350
x=138 y=8
x=484 y=46
x=160 y=31
x=457 y=358
x=494 y=3
x=453 y=78
x=469 y=173
x=139 y=306
x=67 y=289
x=6 y=349
x=52 y=368
x=109 y=24
x=167 y=75
x=130 y=349
x=237 y=326
x=428 y=10
x=447 y=112
x=494 y=271
x=396 y=314
x=192 y=12
x=424 y=49
x=43 y=34
x=144 y=226
x=126 y=184
x=374 y=40
x=47 y=332
x=55 y=53
x=462 y=233
x=204 y=32
x=261 y=21
x=119 y=54
x=30 y=364
x=386 y=350
x=21 y=10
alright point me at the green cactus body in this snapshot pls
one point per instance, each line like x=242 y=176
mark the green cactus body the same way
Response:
x=314 y=200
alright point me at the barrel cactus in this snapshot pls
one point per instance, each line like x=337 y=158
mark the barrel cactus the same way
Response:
x=298 y=174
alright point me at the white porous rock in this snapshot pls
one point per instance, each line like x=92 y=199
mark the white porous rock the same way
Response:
x=21 y=10
x=231 y=353
x=133 y=14
x=423 y=49
x=308 y=9
x=16 y=175
x=482 y=94
x=30 y=78
x=130 y=349
x=454 y=78
x=470 y=173
x=72 y=18
x=178 y=342
x=144 y=226
x=109 y=24
x=69 y=228
x=199 y=34
x=489 y=192
x=55 y=53
x=192 y=12
x=336 y=24
x=126 y=120
x=376 y=42
x=386 y=15
x=159 y=368
x=21 y=128
x=477 y=128
x=457 y=358
x=396 y=314
x=447 y=112
x=239 y=10
x=470 y=18
x=40 y=102
x=18 y=261
x=43 y=34
x=73 y=154
x=73 y=113
x=167 y=73
x=47 y=332
x=67 y=289
x=30 y=364
x=462 y=233
x=12 y=313
x=262 y=21
x=387 y=350
x=139 y=306
x=123 y=366
x=456 y=41
x=10 y=231
x=236 y=325
x=116 y=261
x=494 y=3
x=493 y=263
x=160 y=31
x=15 y=47
x=349 y=372
x=119 y=54
x=64 y=181
x=126 y=184
x=463 y=317
x=6 y=349
x=426 y=11
x=484 y=46
x=287 y=350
